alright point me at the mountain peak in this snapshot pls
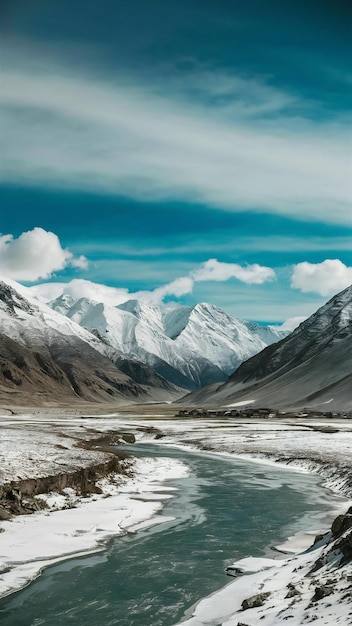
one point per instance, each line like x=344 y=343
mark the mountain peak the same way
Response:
x=335 y=315
x=63 y=303
x=130 y=305
x=311 y=367
x=45 y=356
x=199 y=343
x=10 y=300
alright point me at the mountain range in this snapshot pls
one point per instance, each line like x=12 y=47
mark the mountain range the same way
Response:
x=82 y=349
x=78 y=349
x=189 y=346
x=312 y=367
x=45 y=357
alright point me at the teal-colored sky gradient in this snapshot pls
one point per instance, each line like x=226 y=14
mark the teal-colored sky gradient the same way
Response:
x=152 y=136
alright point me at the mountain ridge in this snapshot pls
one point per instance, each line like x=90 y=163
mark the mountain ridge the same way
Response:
x=310 y=367
x=45 y=356
x=191 y=346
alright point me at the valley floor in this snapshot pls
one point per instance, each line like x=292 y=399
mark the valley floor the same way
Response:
x=40 y=445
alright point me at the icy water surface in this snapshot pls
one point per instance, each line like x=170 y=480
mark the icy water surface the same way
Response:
x=225 y=510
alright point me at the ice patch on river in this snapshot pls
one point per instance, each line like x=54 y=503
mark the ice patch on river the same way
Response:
x=32 y=542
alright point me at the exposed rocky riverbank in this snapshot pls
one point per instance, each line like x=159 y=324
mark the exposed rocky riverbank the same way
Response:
x=20 y=497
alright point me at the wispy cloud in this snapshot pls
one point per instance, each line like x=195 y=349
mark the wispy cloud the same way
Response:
x=178 y=287
x=117 y=138
x=35 y=254
x=218 y=90
x=326 y=278
x=200 y=246
x=291 y=323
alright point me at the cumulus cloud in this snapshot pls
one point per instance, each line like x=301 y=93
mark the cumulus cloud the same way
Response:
x=112 y=296
x=35 y=254
x=80 y=262
x=211 y=270
x=218 y=271
x=178 y=287
x=45 y=292
x=326 y=278
x=80 y=288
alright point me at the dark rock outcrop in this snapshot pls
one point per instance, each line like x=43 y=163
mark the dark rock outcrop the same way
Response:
x=339 y=546
x=342 y=523
x=255 y=601
x=321 y=592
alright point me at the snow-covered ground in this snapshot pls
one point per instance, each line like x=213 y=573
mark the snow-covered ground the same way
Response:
x=31 y=542
x=299 y=443
x=29 y=451
x=293 y=590
x=292 y=596
x=35 y=445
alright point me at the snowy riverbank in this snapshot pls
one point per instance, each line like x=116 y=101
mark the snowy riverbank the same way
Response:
x=28 y=543
x=314 y=586
x=40 y=445
x=305 y=445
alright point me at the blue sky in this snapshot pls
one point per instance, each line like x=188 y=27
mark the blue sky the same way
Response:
x=145 y=139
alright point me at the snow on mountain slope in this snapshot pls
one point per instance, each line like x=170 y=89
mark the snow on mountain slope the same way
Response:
x=190 y=346
x=224 y=340
x=137 y=332
x=310 y=367
x=44 y=354
x=26 y=320
x=329 y=325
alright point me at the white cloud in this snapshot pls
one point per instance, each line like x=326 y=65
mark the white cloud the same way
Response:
x=45 y=292
x=80 y=288
x=112 y=296
x=291 y=323
x=178 y=287
x=211 y=270
x=64 y=130
x=326 y=278
x=35 y=254
x=218 y=271
x=246 y=96
x=80 y=262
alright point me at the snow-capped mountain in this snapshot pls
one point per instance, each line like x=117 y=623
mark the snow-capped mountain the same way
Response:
x=26 y=320
x=189 y=346
x=45 y=356
x=310 y=367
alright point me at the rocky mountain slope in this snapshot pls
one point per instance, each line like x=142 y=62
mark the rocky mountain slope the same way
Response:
x=310 y=367
x=46 y=357
x=189 y=346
